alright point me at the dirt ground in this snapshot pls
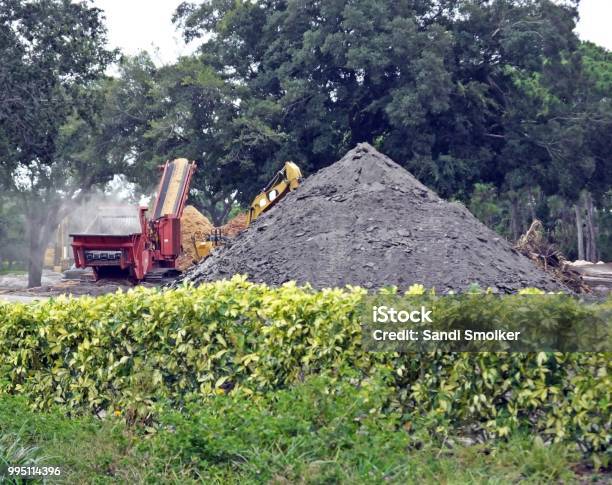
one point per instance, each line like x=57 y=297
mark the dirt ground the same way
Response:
x=13 y=287
x=597 y=275
x=367 y=221
x=19 y=280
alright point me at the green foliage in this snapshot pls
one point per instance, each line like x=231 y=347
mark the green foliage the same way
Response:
x=13 y=452
x=186 y=110
x=53 y=57
x=51 y=50
x=598 y=64
x=325 y=431
x=319 y=431
x=459 y=93
x=605 y=228
x=132 y=352
x=87 y=449
x=12 y=247
x=485 y=204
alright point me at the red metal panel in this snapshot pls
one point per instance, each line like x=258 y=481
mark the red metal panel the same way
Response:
x=128 y=246
x=170 y=237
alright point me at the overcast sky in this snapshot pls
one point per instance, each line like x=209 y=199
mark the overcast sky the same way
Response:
x=134 y=25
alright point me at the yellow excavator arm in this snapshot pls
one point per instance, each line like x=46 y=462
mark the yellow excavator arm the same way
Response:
x=286 y=180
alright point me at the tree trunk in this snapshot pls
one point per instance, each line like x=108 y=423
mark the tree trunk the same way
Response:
x=532 y=205
x=218 y=211
x=227 y=207
x=591 y=229
x=40 y=226
x=35 y=260
x=579 y=233
x=514 y=218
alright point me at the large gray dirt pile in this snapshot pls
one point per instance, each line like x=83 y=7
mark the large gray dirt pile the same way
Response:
x=367 y=221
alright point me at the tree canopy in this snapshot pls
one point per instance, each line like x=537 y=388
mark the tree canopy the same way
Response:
x=54 y=55
x=461 y=92
x=495 y=103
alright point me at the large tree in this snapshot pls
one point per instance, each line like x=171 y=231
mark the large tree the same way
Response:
x=430 y=82
x=53 y=57
x=459 y=91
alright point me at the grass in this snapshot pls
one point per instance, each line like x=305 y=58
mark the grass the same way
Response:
x=303 y=435
x=15 y=269
x=87 y=449
x=15 y=272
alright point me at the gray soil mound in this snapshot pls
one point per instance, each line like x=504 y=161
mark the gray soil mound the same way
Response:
x=367 y=221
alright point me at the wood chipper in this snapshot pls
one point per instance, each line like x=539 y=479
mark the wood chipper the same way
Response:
x=128 y=244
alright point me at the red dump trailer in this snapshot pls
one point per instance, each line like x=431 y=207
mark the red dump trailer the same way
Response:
x=129 y=244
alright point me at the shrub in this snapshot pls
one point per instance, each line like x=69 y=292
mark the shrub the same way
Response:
x=128 y=352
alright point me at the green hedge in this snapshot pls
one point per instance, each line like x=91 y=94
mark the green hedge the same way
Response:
x=125 y=353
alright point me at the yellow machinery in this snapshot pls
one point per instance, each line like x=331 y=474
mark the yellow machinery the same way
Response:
x=286 y=180
x=57 y=256
x=214 y=239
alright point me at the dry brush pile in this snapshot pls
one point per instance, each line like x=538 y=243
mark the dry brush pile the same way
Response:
x=195 y=226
